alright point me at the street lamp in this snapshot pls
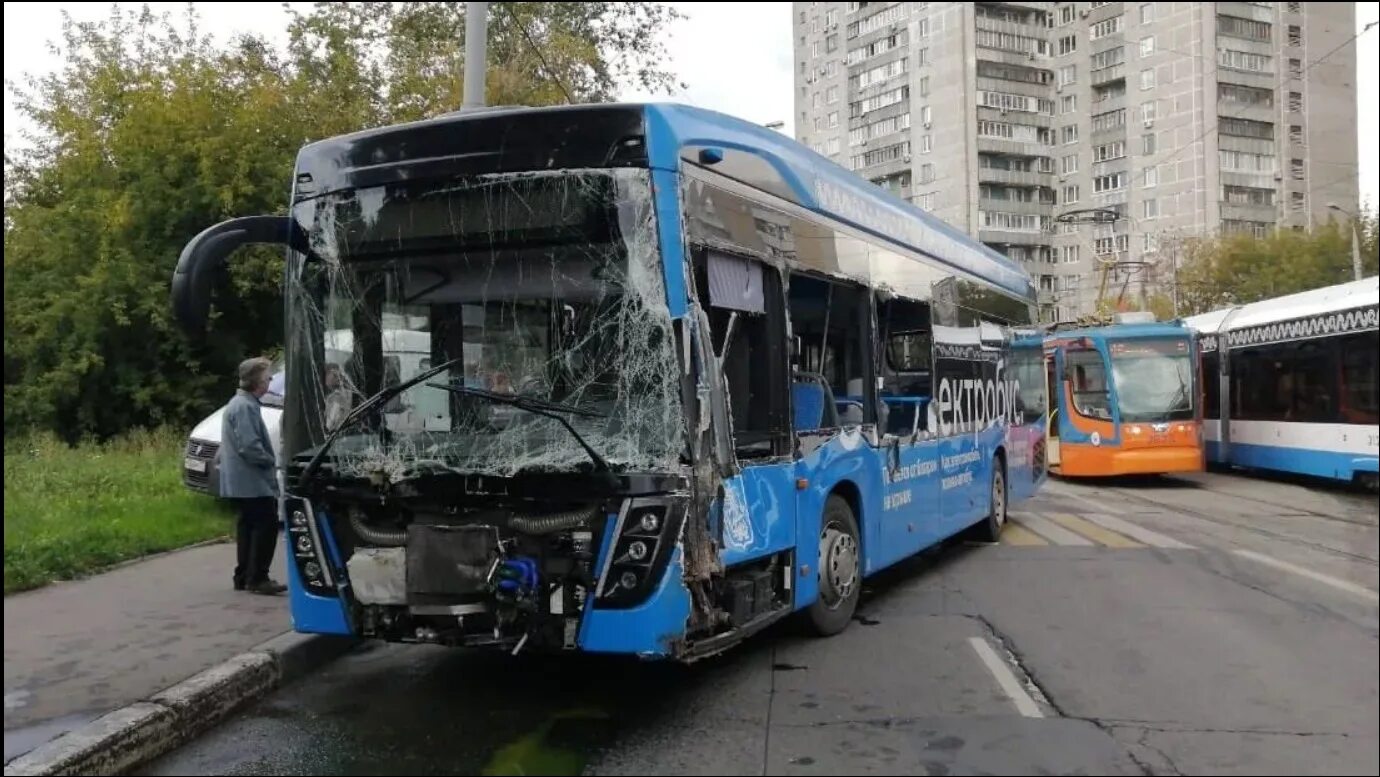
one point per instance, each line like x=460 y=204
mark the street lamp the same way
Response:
x=1355 y=238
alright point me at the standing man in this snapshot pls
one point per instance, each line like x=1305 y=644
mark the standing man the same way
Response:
x=248 y=478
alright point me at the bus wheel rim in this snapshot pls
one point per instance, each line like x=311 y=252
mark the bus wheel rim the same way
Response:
x=838 y=566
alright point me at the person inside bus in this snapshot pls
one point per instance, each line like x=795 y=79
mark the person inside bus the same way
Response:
x=337 y=396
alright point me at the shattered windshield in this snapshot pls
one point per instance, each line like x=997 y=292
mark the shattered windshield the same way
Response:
x=547 y=286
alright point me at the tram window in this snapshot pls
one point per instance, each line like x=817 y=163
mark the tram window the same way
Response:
x=1286 y=382
x=1360 y=379
x=1212 y=385
x=1087 y=373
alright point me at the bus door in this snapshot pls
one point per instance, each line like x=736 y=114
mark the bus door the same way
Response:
x=911 y=515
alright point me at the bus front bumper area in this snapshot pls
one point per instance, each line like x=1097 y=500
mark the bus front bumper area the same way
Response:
x=1108 y=461
x=623 y=593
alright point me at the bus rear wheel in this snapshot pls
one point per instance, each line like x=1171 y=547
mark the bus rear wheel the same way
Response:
x=840 y=569
x=989 y=529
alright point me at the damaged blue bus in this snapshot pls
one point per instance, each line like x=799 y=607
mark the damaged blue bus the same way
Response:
x=685 y=378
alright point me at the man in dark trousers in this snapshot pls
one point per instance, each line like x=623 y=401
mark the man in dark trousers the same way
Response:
x=248 y=478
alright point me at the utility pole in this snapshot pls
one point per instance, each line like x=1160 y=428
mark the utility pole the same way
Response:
x=476 y=45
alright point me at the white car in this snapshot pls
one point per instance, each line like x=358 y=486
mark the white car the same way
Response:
x=200 y=467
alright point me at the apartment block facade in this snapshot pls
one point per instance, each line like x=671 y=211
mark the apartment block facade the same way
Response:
x=1168 y=120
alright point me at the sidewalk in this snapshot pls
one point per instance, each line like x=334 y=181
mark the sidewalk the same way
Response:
x=76 y=650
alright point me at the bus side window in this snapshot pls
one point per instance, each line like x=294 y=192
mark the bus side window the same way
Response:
x=907 y=367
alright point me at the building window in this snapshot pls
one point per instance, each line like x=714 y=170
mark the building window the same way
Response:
x=1068 y=44
x=831 y=43
x=1152 y=209
x=1296 y=170
x=1071 y=195
x=924 y=28
x=923 y=56
x=1296 y=69
x=1105 y=27
x=925 y=115
x=1069 y=254
x=1248 y=195
x=1070 y=164
x=1147 y=111
x=927 y=173
x=1147 y=78
x=1067 y=14
x=1147 y=45
x=831 y=17
x=1109 y=151
x=831 y=68
x=1109 y=183
x=833 y=119
x=818 y=123
x=1245 y=128
x=1068 y=74
x=1298 y=200
x=814 y=100
x=1108 y=120
x=832 y=145
x=832 y=94
x=926 y=200
x=1237 y=27
x=1245 y=95
x=926 y=143
x=1147 y=143
x=1071 y=133
x=1295 y=35
x=1147 y=13
x=1296 y=101
x=1246 y=162
x=1296 y=134
x=1151 y=176
x=1245 y=60
x=924 y=86
x=1068 y=103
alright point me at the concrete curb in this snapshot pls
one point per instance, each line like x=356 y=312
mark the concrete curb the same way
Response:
x=121 y=740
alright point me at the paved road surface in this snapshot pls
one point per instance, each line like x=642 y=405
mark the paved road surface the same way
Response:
x=1213 y=624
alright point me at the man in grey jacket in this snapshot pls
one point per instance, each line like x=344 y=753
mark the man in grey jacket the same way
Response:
x=248 y=477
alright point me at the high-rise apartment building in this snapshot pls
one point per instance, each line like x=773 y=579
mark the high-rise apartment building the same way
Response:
x=1174 y=119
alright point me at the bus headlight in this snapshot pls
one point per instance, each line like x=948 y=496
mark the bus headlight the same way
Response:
x=638 y=553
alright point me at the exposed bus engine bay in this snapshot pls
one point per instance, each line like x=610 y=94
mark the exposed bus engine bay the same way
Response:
x=512 y=573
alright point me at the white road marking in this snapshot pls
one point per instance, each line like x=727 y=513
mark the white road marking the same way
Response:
x=1062 y=491
x=1343 y=585
x=1006 y=678
x=1050 y=530
x=1152 y=538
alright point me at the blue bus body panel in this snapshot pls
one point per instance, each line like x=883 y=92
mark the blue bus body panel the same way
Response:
x=312 y=614
x=757 y=517
x=652 y=629
x=820 y=185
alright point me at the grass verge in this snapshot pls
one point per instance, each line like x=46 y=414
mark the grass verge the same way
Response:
x=70 y=511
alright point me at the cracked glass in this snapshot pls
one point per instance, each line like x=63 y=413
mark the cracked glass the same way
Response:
x=543 y=288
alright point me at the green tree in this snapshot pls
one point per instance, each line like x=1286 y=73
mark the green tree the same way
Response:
x=149 y=132
x=1238 y=269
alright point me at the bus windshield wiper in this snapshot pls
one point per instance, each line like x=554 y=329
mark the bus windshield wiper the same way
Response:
x=364 y=408
x=540 y=407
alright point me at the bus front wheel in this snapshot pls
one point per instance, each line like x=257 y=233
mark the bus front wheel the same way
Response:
x=840 y=569
x=989 y=529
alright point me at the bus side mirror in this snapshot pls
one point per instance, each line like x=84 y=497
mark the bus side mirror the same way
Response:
x=204 y=256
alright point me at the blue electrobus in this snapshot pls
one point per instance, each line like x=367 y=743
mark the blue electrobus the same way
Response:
x=686 y=378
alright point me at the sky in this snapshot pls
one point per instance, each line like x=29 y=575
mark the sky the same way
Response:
x=733 y=57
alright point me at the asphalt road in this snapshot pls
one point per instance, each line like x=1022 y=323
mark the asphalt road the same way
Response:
x=1212 y=624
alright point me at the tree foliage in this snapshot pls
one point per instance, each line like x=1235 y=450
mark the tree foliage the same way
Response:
x=1238 y=269
x=149 y=131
